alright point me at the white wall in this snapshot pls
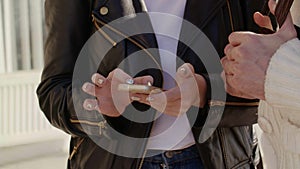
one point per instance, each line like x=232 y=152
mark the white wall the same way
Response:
x=296 y=12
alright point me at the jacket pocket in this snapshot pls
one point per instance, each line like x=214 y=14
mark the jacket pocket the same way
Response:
x=86 y=155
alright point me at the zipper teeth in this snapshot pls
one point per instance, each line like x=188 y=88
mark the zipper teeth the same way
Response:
x=95 y=20
x=223 y=103
x=108 y=38
x=143 y=159
x=85 y=122
x=75 y=149
x=230 y=15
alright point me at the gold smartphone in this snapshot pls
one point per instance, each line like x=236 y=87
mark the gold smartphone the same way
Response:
x=142 y=89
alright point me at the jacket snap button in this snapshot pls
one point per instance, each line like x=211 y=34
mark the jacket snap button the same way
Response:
x=104 y=10
x=265 y=125
x=169 y=154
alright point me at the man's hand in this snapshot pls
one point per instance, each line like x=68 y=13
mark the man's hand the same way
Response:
x=248 y=56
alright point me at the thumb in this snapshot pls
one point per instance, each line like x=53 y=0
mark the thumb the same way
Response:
x=262 y=21
x=272 y=6
x=184 y=72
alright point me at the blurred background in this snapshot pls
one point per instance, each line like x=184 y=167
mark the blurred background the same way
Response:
x=27 y=140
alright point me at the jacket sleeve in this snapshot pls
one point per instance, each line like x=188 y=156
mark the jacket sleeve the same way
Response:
x=69 y=27
x=244 y=112
x=282 y=85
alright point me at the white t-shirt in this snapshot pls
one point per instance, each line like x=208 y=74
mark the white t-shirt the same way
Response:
x=168 y=132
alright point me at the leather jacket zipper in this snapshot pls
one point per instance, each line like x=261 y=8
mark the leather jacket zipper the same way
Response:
x=75 y=149
x=101 y=124
x=223 y=103
x=230 y=15
x=108 y=38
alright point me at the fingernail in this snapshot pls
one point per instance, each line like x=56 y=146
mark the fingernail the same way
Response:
x=149 y=99
x=89 y=106
x=100 y=81
x=135 y=98
x=85 y=86
x=149 y=84
x=183 y=70
x=130 y=81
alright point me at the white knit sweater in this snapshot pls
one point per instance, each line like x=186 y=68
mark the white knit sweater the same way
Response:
x=279 y=115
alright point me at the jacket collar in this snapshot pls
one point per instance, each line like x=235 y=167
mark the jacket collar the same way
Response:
x=196 y=12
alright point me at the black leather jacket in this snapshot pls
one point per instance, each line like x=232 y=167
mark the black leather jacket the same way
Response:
x=70 y=25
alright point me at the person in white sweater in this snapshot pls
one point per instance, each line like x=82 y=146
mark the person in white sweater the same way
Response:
x=268 y=67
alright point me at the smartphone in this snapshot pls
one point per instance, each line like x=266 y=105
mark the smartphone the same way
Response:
x=142 y=89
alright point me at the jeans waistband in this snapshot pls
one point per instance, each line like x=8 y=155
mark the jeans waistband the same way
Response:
x=157 y=156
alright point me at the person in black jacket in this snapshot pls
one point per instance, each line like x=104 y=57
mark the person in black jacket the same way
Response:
x=82 y=101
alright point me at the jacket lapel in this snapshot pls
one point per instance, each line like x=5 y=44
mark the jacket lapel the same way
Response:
x=120 y=8
x=199 y=13
x=147 y=40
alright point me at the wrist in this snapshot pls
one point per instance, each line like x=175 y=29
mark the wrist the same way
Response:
x=287 y=35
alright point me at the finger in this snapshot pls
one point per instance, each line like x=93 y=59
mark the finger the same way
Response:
x=98 y=79
x=89 y=88
x=91 y=104
x=227 y=66
x=144 y=80
x=223 y=76
x=119 y=76
x=231 y=52
x=171 y=95
x=262 y=21
x=235 y=38
x=185 y=72
x=227 y=49
x=159 y=98
x=142 y=98
x=159 y=102
x=272 y=6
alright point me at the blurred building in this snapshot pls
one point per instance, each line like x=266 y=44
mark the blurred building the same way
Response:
x=24 y=131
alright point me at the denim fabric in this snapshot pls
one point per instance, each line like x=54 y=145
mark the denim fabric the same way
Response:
x=181 y=159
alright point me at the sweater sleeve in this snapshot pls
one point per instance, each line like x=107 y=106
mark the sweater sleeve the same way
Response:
x=282 y=85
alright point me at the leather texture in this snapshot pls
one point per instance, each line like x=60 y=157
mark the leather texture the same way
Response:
x=70 y=25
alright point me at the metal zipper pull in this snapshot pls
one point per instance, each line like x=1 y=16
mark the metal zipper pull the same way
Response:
x=102 y=125
x=75 y=149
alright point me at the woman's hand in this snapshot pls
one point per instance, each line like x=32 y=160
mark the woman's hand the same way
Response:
x=190 y=91
x=109 y=100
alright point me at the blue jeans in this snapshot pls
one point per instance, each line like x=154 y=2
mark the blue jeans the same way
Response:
x=179 y=159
